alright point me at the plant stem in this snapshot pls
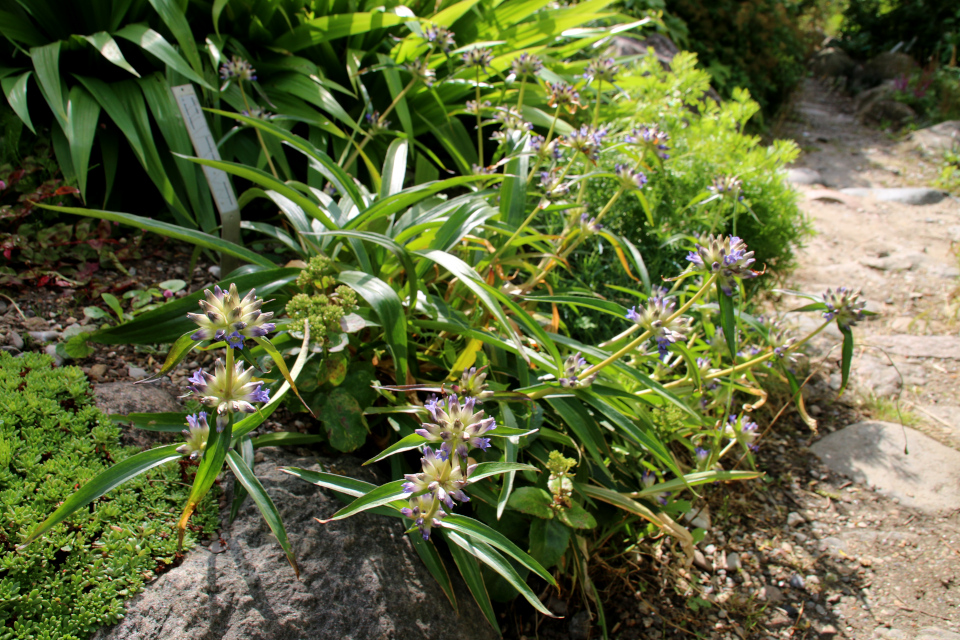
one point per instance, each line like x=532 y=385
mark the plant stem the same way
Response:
x=523 y=86
x=646 y=334
x=263 y=145
x=380 y=121
x=596 y=110
x=479 y=122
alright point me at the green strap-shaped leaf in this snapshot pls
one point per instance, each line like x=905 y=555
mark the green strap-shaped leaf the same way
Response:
x=254 y=420
x=510 y=450
x=169 y=422
x=412 y=441
x=15 y=90
x=240 y=493
x=477 y=531
x=384 y=494
x=154 y=43
x=210 y=466
x=46 y=64
x=104 y=482
x=327 y=28
x=174 y=231
x=728 y=321
x=262 y=499
x=470 y=571
x=176 y=20
x=285 y=439
x=509 y=432
x=278 y=360
x=487 y=469
x=597 y=304
x=388 y=307
x=694 y=479
x=489 y=556
x=394 y=168
x=342 y=484
x=434 y=563
x=178 y=351
x=107 y=46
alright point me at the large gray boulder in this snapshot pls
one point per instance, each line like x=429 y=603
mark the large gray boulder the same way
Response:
x=938 y=138
x=887 y=66
x=832 y=62
x=360 y=578
x=126 y=397
x=900 y=462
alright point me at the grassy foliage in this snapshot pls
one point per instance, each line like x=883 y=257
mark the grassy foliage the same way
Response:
x=52 y=439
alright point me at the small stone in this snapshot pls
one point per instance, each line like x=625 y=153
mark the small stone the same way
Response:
x=771 y=594
x=811 y=579
x=828 y=631
x=700 y=561
x=51 y=350
x=710 y=549
x=43 y=336
x=132 y=271
x=98 y=370
x=214 y=271
x=136 y=373
x=579 y=626
x=936 y=633
x=796 y=582
x=14 y=340
x=794 y=519
x=733 y=562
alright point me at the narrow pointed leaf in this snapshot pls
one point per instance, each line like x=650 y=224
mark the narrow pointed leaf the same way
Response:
x=178 y=351
x=107 y=46
x=847 y=357
x=285 y=439
x=470 y=571
x=384 y=494
x=728 y=321
x=487 y=469
x=412 y=441
x=486 y=554
x=388 y=307
x=210 y=466
x=476 y=530
x=332 y=481
x=15 y=90
x=154 y=43
x=170 y=422
x=104 y=482
x=262 y=499
x=278 y=360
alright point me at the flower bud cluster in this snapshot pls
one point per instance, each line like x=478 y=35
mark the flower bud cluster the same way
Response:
x=239 y=69
x=457 y=427
x=589 y=225
x=843 y=305
x=630 y=180
x=526 y=65
x=743 y=430
x=196 y=436
x=648 y=479
x=563 y=95
x=420 y=70
x=440 y=36
x=553 y=187
x=228 y=317
x=479 y=57
x=602 y=69
x=586 y=140
x=726 y=257
x=651 y=137
x=572 y=367
x=726 y=184
x=473 y=385
x=228 y=389
x=655 y=318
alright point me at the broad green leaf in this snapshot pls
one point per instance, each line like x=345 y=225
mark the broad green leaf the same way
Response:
x=412 y=441
x=597 y=304
x=343 y=421
x=341 y=484
x=394 y=168
x=254 y=420
x=386 y=303
x=548 y=541
x=210 y=466
x=178 y=351
x=104 y=482
x=576 y=517
x=107 y=46
x=327 y=28
x=434 y=563
x=46 y=65
x=15 y=90
x=476 y=530
x=510 y=449
x=281 y=365
x=169 y=421
x=486 y=554
x=260 y=497
x=532 y=501
x=174 y=231
x=384 y=494
x=487 y=469
x=154 y=43
x=176 y=20
x=470 y=571
x=285 y=439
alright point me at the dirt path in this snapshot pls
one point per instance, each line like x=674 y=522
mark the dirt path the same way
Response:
x=870 y=543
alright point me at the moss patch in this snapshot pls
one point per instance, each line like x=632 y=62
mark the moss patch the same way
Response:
x=53 y=440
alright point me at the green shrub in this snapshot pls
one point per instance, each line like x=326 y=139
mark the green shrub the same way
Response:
x=929 y=30
x=751 y=44
x=75 y=579
x=706 y=142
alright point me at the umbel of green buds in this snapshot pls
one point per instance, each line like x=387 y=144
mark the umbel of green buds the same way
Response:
x=196 y=436
x=229 y=389
x=843 y=305
x=472 y=384
x=726 y=257
x=226 y=316
x=571 y=373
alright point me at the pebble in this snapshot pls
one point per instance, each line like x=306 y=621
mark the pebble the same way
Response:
x=98 y=370
x=770 y=593
x=14 y=339
x=828 y=631
x=701 y=561
x=796 y=582
x=43 y=336
x=51 y=350
x=214 y=271
x=733 y=562
x=794 y=519
x=136 y=372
